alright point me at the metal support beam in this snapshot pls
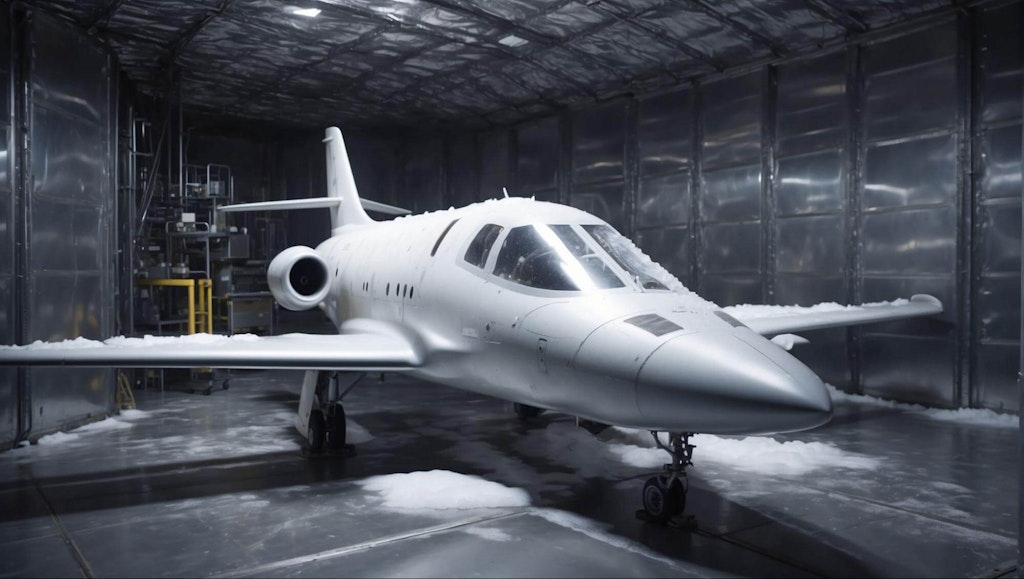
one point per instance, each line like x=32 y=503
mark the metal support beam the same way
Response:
x=769 y=97
x=21 y=137
x=839 y=17
x=964 y=394
x=631 y=168
x=697 y=192
x=853 y=167
x=181 y=43
x=102 y=16
x=702 y=7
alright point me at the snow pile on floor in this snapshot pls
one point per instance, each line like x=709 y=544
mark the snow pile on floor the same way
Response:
x=105 y=425
x=355 y=433
x=974 y=416
x=752 y=311
x=134 y=414
x=760 y=454
x=442 y=489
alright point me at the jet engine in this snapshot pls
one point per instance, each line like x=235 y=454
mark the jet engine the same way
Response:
x=298 y=278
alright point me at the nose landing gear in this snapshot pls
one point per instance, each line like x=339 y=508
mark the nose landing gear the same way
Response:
x=664 y=496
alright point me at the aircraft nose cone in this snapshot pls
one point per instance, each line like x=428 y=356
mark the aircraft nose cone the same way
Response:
x=729 y=383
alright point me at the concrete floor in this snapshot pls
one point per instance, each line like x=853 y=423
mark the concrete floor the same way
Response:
x=216 y=486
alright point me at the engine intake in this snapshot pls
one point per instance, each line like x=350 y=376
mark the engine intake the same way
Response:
x=298 y=278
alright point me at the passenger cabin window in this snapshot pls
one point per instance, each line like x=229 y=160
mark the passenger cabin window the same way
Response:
x=552 y=257
x=481 y=246
x=628 y=257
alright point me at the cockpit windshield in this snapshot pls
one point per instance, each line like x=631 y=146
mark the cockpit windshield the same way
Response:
x=648 y=274
x=553 y=257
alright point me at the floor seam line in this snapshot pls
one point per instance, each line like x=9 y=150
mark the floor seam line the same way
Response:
x=366 y=545
x=76 y=554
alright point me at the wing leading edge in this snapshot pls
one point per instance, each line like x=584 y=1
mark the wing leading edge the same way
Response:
x=785 y=322
x=362 y=351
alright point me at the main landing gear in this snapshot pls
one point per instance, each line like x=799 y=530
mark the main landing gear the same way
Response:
x=664 y=496
x=321 y=415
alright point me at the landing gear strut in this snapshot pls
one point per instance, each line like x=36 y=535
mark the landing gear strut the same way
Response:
x=664 y=496
x=322 y=413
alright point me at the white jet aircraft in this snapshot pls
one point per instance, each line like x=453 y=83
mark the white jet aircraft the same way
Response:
x=537 y=303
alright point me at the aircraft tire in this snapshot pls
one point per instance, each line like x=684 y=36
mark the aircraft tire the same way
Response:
x=662 y=502
x=337 y=431
x=317 y=432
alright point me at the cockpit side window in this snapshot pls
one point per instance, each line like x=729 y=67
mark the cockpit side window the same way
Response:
x=552 y=257
x=480 y=248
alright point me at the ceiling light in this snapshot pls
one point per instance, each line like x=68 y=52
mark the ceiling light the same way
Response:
x=512 y=40
x=307 y=12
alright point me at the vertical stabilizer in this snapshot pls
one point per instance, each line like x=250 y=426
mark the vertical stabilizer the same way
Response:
x=340 y=182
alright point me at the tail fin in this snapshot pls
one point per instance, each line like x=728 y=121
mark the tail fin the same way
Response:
x=340 y=182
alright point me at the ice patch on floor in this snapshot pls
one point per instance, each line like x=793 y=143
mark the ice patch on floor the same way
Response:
x=973 y=416
x=442 y=489
x=489 y=533
x=597 y=532
x=760 y=454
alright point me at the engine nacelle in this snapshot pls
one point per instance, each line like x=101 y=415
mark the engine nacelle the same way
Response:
x=298 y=278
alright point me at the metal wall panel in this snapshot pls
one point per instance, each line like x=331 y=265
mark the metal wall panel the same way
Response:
x=998 y=237
x=70 y=211
x=422 y=183
x=999 y=59
x=911 y=369
x=463 y=178
x=537 y=145
x=997 y=322
x=808 y=289
x=996 y=377
x=731 y=290
x=603 y=200
x=598 y=143
x=669 y=246
x=809 y=184
x=494 y=164
x=732 y=247
x=810 y=244
x=1001 y=155
x=665 y=133
x=732 y=194
x=8 y=376
x=731 y=112
x=910 y=84
x=810 y=111
x=914 y=172
x=664 y=200
x=920 y=241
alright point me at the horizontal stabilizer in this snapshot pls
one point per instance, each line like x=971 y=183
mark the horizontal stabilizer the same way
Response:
x=357 y=351
x=314 y=203
x=792 y=319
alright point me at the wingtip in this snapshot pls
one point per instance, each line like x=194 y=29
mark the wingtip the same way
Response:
x=927 y=299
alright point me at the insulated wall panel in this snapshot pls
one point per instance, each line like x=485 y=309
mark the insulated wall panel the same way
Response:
x=670 y=247
x=537 y=145
x=665 y=133
x=809 y=184
x=494 y=164
x=732 y=194
x=810 y=114
x=422 y=186
x=910 y=212
x=810 y=244
x=664 y=200
x=603 y=200
x=463 y=176
x=598 y=143
x=732 y=120
x=997 y=224
x=910 y=84
x=70 y=277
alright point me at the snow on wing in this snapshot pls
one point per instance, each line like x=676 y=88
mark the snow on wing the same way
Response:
x=290 y=351
x=811 y=319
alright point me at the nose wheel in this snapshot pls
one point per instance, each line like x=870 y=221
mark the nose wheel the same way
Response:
x=664 y=496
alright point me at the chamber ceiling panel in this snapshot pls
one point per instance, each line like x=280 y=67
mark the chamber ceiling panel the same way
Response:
x=257 y=59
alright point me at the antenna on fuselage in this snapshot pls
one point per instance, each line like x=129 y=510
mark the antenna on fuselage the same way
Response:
x=505 y=191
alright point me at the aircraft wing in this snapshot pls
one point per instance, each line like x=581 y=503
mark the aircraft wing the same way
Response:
x=357 y=351
x=783 y=320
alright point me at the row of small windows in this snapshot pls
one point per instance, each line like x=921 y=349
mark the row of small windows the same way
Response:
x=402 y=289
